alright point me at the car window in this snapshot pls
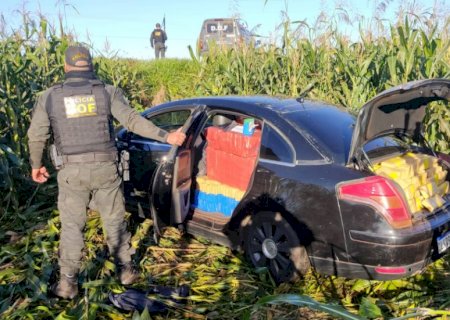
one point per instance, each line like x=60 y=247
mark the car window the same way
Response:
x=385 y=145
x=169 y=121
x=274 y=147
x=330 y=128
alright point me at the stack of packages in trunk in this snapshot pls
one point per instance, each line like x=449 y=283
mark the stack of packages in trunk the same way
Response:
x=230 y=161
x=421 y=177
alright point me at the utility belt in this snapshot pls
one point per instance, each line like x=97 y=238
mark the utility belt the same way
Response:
x=59 y=160
x=89 y=157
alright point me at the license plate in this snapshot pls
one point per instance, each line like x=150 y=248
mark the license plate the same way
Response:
x=443 y=242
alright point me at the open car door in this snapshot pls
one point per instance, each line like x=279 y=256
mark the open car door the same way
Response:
x=171 y=184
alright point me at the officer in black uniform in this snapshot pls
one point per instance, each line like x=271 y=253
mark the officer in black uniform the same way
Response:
x=78 y=114
x=158 y=40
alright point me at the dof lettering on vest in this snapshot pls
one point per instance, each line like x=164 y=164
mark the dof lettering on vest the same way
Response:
x=80 y=106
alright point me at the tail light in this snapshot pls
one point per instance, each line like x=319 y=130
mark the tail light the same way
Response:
x=200 y=44
x=381 y=194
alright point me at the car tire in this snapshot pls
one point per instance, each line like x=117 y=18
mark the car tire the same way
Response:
x=270 y=241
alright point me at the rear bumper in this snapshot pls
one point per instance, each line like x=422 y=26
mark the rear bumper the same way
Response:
x=403 y=251
x=422 y=231
x=360 y=271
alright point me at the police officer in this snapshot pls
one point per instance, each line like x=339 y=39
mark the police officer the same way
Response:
x=78 y=114
x=157 y=41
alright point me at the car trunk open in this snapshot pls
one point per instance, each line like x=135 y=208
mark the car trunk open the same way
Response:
x=421 y=177
x=400 y=109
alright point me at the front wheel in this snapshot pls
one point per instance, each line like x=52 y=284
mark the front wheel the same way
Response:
x=271 y=242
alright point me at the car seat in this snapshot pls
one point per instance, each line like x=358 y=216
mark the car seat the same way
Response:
x=221 y=120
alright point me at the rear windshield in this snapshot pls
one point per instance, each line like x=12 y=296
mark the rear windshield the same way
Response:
x=331 y=128
x=385 y=146
x=215 y=27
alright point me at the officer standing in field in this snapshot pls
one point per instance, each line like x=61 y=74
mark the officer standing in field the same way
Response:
x=78 y=114
x=158 y=40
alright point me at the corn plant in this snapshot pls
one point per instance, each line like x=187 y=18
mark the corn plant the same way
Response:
x=30 y=61
x=320 y=63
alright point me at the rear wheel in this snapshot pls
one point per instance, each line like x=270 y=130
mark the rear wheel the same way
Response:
x=271 y=242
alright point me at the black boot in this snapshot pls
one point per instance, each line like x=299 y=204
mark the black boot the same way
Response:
x=67 y=288
x=127 y=273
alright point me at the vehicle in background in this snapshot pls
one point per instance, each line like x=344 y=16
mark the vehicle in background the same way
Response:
x=223 y=33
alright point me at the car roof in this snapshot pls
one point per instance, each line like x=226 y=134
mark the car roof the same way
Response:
x=220 y=19
x=253 y=104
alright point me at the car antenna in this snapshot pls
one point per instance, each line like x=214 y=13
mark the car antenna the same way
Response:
x=304 y=92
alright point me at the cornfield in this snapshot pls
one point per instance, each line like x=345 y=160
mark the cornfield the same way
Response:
x=323 y=66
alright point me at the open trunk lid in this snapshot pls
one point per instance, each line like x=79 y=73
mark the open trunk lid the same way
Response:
x=399 y=109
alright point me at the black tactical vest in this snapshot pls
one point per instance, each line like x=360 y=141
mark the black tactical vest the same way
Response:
x=80 y=117
x=158 y=35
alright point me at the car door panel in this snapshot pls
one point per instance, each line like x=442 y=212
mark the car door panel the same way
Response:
x=182 y=183
x=145 y=155
x=171 y=182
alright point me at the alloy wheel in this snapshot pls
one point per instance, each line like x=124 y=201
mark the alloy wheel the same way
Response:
x=272 y=243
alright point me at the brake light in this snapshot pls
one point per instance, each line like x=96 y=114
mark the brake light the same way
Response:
x=381 y=194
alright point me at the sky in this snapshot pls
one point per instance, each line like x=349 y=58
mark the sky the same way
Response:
x=123 y=27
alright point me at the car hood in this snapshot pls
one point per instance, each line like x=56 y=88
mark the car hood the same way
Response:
x=398 y=109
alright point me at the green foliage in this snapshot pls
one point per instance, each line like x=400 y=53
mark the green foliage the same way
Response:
x=322 y=66
x=30 y=61
x=338 y=71
x=301 y=300
x=438 y=126
x=369 y=309
x=146 y=81
x=223 y=285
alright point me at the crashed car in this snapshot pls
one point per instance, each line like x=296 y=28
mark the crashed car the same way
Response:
x=297 y=184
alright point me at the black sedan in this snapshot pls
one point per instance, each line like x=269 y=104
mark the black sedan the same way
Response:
x=298 y=184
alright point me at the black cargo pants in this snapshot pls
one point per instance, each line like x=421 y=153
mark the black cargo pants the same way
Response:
x=78 y=185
